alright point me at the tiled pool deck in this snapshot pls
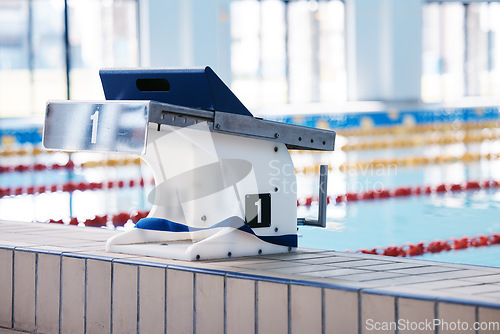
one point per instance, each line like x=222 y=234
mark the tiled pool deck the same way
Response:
x=59 y=279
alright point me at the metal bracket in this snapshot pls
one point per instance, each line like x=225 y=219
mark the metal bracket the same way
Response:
x=121 y=126
x=322 y=201
x=293 y=136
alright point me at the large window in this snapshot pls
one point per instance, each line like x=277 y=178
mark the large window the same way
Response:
x=34 y=39
x=288 y=51
x=461 y=54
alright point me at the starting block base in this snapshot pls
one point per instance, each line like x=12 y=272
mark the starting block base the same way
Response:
x=227 y=242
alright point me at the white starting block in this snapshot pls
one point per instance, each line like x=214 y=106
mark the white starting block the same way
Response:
x=222 y=176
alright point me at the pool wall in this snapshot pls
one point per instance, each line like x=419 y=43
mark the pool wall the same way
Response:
x=59 y=279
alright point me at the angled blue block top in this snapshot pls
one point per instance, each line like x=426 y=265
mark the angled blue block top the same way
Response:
x=194 y=88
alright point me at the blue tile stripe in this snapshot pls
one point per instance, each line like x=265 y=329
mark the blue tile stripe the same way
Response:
x=25 y=131
x=387 y=118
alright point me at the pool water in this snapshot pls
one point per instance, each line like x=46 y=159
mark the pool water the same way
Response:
x=398 y=221
x=350 y=226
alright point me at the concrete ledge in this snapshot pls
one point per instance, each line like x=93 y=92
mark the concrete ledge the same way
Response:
x=59 y=279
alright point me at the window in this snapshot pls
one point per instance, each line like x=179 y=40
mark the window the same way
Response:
x=460 y=50
x=287 y=51
x=101 y=33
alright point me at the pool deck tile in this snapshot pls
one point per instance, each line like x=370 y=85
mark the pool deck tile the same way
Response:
x=452 y=313
x=391 y=266
x=474 y=289
x=374 y=276
x=240 y=306
x=6 y=287
x=349 y=271
x=340 y=272
x=443 y=284
x=377 y=307
x=417 y=312
x=488 y=315
x=484 y=279
x=341 y=308
x=305 y=309
x=272 y=307
x=424 y=270
x=24 y=290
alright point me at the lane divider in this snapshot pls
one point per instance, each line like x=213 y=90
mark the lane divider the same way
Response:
x=24 y=151
x=416 y=191
x=412 y=161
x=355 y=165
x=421 y=140
x=307 y=201
x=436 y=246
x=419 y=128
x=70 y=165
x=403 y=130
x=401 y=192
x=101 y=221
x=71 y=187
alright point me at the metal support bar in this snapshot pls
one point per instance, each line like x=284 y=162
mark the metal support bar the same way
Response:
x=293 y=136
x=323 y=198
x=322 y=201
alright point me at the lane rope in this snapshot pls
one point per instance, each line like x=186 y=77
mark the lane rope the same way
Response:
x=117 y=220
x=71 y=187
x=436 y=246
x=421 y=140
x=418 y=128
x=402 y=192
x=412 y=161
x=70 y=165
x=355 y=165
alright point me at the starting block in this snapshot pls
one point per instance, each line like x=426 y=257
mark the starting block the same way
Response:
x=221 y=175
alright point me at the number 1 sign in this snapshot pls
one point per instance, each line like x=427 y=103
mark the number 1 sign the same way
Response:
x=106 y=127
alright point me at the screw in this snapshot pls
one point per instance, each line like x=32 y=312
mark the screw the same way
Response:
x=275 y=229
x=203 y=218
x=217 y=126
x=229 y=254
x=275 y=149
x=197 y=257
x=276 y=135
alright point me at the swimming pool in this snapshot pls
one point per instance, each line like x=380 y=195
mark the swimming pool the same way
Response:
x=380 y=158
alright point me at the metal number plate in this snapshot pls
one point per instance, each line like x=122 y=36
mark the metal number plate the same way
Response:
x=258 y=210
x=110 y=126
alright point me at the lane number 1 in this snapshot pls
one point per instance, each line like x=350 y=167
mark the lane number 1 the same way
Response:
x=95 y=120
x=258 y=210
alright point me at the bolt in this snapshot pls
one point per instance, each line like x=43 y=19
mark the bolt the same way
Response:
x=203 y=218
x=217 y=126
x=276 y=135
